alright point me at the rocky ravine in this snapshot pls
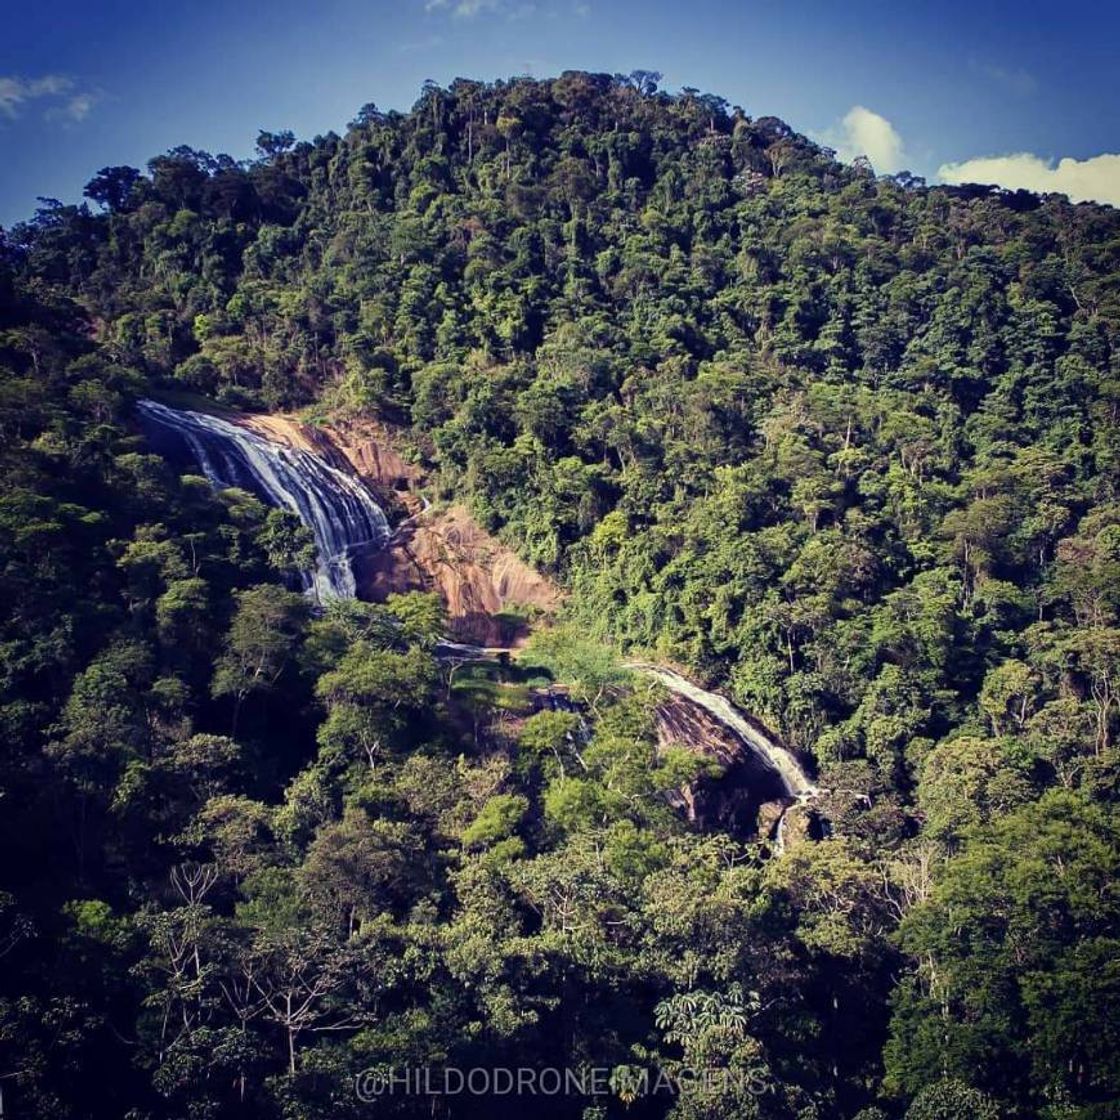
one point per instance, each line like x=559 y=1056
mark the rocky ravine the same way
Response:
x=490 y=594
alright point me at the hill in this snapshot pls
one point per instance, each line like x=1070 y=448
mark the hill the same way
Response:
x=844 y=446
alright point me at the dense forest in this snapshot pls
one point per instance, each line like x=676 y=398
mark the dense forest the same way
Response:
x=844 y=446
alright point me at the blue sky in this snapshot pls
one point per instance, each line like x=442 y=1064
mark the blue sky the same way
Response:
x=929 y=87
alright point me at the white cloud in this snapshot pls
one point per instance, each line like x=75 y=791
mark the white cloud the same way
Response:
x=462 y=9
x=865 y=133
x=1096 y=179
x=78 y=107
x=11 y=94
x=16 y=92
x=54 y=92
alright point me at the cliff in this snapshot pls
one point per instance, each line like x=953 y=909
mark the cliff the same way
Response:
x=488 y=591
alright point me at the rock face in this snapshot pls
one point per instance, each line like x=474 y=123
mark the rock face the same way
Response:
x=488 y=591
x=364 y=447
x=368 y=448
x=732 y=801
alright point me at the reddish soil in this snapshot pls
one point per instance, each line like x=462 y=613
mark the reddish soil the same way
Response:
x=487 y=589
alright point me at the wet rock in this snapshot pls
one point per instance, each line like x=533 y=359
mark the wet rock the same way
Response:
x=769 y=814
x=732 y=800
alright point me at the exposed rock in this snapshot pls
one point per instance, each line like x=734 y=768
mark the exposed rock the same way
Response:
x=368 y=447
x=362 y=446
x=769 y=816
x=733 y=800
x=795 y=827
x=488 y=591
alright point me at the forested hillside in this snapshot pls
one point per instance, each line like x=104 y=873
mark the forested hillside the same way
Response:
x=844 y=446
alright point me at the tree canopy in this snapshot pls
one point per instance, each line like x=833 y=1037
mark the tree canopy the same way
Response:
x=842 y=445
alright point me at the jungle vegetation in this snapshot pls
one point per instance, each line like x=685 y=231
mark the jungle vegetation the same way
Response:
x=845 y=446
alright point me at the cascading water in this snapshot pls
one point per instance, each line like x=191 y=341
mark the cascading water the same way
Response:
x=340 y=512
x=776 y=756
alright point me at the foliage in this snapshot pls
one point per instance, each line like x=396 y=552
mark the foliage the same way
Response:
x=844 y=446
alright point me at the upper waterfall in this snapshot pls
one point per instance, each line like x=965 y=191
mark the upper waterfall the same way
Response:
x=338 y=509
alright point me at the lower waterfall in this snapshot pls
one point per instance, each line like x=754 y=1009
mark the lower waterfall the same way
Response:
x=776 y=756
x=338 y=509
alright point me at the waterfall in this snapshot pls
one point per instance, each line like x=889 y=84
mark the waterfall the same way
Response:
x=776 y=756
x=338 y=509
x=769 y=752
x=343 y=516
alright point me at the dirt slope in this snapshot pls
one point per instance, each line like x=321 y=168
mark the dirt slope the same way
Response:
x=485 y=587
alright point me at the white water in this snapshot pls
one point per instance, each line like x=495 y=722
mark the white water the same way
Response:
x=778 y=757
x=340 y=512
